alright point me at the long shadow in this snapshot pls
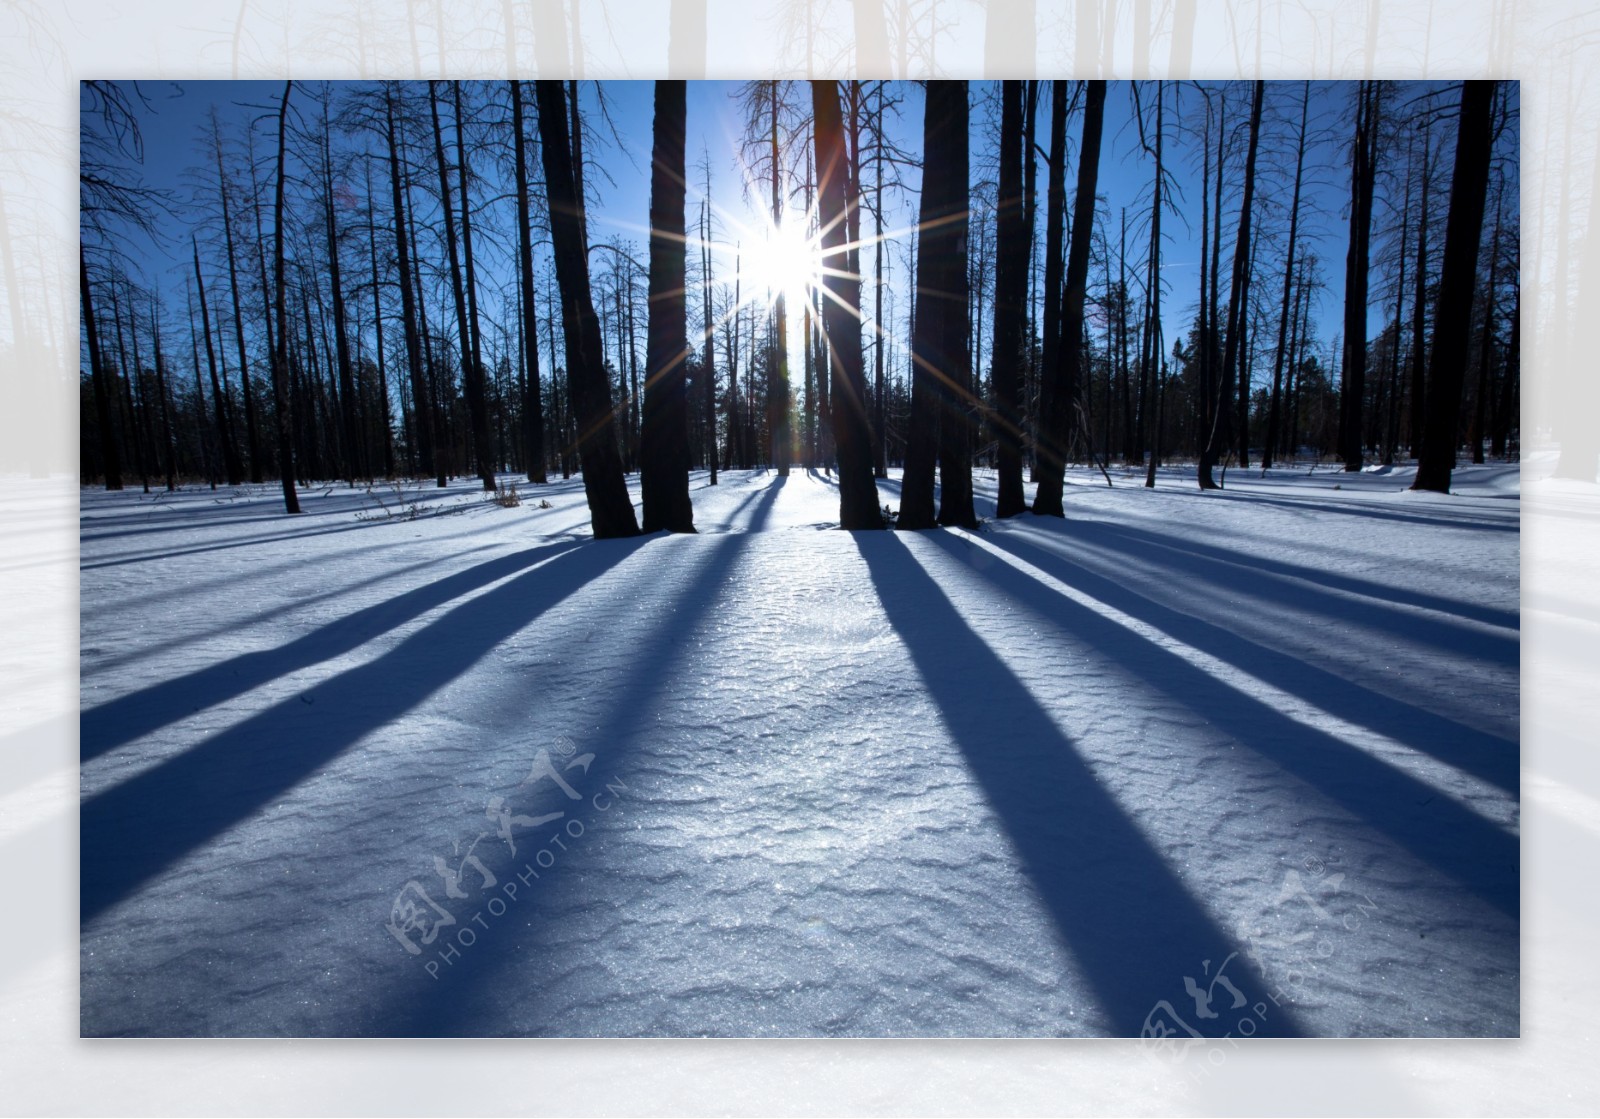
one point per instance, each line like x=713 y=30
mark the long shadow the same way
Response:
x=234 y=625
x=1480 y=857
x=1484 y=755
x=419 y=1006
x=1271 y=587
x=180 y=520
x=134 y=830
x=1493 y=524
x=242 y=542
x=120 y=721
x=1137 y=539
x=1124 y=913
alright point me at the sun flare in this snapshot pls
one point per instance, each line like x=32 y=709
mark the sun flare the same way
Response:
x=787 y=263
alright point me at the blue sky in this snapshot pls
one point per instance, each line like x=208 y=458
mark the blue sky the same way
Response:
x=176 y=115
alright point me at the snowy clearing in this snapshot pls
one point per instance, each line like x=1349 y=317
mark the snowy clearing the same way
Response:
x=1183 y=764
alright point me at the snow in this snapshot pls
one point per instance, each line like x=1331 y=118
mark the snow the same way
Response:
x=1050 y=778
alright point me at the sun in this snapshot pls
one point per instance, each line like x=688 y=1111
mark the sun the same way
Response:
x=786 y=263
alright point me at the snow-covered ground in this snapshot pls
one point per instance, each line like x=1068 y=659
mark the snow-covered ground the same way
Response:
x=1180 y=765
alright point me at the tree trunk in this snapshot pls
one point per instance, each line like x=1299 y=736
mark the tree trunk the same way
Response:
x=199 y=393
x=1055 y=226
x=709 y=372
x=1480 y=402
x=533 y=401
x=1363 y=175
x=778 y=363
x=1010 y=297
x=957 y=424
x=610 y=508
x=477 y=402
x=941 y=209
x=664 y=435
x=1059 y=391
x=1419 y=301
x=858 y=492
x=1239 y=292
x=166 y=405
x=1452 y=327
x=377 y=330
x=421 y=398
x=1506 y=409
x=280 y=362
x=354 y=466
x=880 y=434
x=110 y=464
x=252 y=441
x=1157 y=359
x=230 y=454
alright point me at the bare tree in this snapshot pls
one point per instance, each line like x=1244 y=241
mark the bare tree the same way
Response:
x=1010 y=299
x=610 y=509
x=1232 y=357
x=280 y=359
x=858 y=494
x=1452 y=315
x=1059 y=386
x=664 y=435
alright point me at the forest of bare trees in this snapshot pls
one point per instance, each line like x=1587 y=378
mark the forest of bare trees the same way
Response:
x=406 y=280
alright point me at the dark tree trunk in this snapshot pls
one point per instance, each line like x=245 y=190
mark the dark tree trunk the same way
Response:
x=354 y=466
x=941 y=294
x=880 y=434
x=421 y=397
x=230 y=454
x=664 y=435
x=1363 y=175
x=709 y=371
x=1055 y=226
x=958 y=421
x=1239 y=293
x=133 y=383
x=1391 y=434
x=199 y=394
x=1030 y=207
x=1480 y=401
x=778 y=363
x=610 y=508
x=1060 y=386
x=477 y=402
x=858 y=492
x=168 y=446
x=280 y=361
x=533 y=400
x=471 y=372
x=1452 y=326
x=1157 y=360
x=1419 y=302
x=377 y=330
x=1010 y=299
x=110 y=464
x=252 y=440
x=268 y=307
x=1202 y=410
x=1506 y=410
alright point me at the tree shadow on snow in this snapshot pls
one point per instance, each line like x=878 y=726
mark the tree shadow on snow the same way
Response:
x=465 y=1001
x=1122 y=911
x=119 y=721
x=134 y=830
x=1479 y=856
x=1484 y=755
x=1220 y=561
